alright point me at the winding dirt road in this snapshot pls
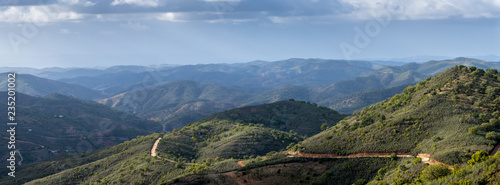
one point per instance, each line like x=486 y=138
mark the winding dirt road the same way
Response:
x=153 y=149
x=153 y=152
x=426 y=158
x=356 y=155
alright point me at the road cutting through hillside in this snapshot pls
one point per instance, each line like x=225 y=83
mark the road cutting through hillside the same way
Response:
x=356 y=155
x=154 y=154
x=153 y=149
x=19 y=141
x=241 y=163
x=426 y=158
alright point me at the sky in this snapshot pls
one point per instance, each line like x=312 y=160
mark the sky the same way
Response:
x=90 y=33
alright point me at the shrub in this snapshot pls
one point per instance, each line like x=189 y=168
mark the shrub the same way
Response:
x=473 y=130
x=478 y=157
x=433 y=172
x=492 y=91
x=436 y=138
x=324 y=126
x=417 y=160
x=493 y=135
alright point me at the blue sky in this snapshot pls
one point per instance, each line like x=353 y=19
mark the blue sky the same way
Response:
x=78 y=33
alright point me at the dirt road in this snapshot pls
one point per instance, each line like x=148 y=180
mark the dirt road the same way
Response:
x=153 y=149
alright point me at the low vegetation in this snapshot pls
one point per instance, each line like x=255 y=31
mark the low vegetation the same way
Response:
x=301 y=117
x=433 y=117
x=453 y=117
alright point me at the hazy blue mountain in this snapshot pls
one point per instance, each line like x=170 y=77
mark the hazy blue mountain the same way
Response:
x=36 y=86
x=107 y=80
x=178 y=103
x=392 y=76
x=257 y=76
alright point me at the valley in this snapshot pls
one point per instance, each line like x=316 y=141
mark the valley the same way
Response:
x=401 y=124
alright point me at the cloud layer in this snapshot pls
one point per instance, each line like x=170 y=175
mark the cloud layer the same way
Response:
x=277 y=11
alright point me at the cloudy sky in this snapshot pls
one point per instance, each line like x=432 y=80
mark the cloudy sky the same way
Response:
x=67 y=33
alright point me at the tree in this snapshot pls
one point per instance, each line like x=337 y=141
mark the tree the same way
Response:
x=492 y=91
x=434 y=172
x=473 y=130
x=478 y=157
x=324 y=126
x=493 y=135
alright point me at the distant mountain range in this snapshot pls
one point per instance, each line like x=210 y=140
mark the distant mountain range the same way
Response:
x=36 y=86
x=257 y=76
x=425 y=58
x=179 y=103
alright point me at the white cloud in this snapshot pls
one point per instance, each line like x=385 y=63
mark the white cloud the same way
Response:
x=151 y=3
x=88 y=3
x=222 y=11
x=170 y=16
x=77 y=2
x=423 y=9
x=135 y=26
x=37 y=14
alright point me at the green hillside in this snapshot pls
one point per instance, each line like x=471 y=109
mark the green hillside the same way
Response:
x=214 y=145
x=301 y=117
x=127 y=162
x=56 y=125
x=207 y=147
x=447 y=116
x=452 y=117
x=222 y=139
x=356 y=171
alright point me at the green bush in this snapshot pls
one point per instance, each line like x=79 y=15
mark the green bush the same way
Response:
x=433 y=172
x=493 y=135
x=417 y=160
x=478 y=157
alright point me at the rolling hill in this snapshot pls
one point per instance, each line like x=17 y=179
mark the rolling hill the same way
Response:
x=300 y=117
x=35 y=86
x=56 y=125
x=439 y=131
x=257 y=76
x=177 y=103
x=447 y=116
x=450 y=121
x=211 y=144
x=393 y=76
